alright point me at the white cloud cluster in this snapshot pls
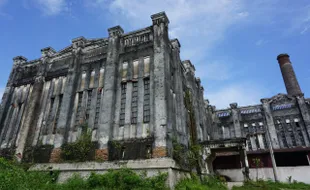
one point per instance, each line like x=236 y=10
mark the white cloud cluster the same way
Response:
x=242 y=93
x=51 y=7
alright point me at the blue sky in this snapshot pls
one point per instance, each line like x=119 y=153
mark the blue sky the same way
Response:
x=233 y=44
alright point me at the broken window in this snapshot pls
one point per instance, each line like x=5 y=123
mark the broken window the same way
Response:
x=257 y=142
x=50 y=114
x=57 y=113
x=79 y=108
x=146 y=103
x=249 y=143
x=123 y=104
x=265 y=140
x=301 y=137
x=134 y=103
x=283 y=138
x=293 y=138
x=98 y=101
x=88 y=105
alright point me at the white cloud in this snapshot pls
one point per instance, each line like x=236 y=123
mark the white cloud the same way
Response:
x=198 y=24
x=51 y=7
x=215 y=71
x=260 y=42
x=242 y=93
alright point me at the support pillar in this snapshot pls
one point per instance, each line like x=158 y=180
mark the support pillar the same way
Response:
x=161 y=66
x=236 y=120
x=105 y=130
x=245 y=164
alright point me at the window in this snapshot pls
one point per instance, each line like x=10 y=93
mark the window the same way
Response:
x=249 y=143
x=57 y=113
x=88 y=106
x=293 y=138
x=134 y=103
x=98 y=102
x=265 y=140
x=79 y=108
x=301 y=137
x=257 y=142
x=50 y=115
x=245 y=125
x=283 y=138
x=146 y=103
x=123 y=104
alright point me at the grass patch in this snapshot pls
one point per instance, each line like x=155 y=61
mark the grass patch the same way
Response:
x=271 y=185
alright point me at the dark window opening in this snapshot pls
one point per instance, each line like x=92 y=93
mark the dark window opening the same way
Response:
x=283 y=138
x=301 y=137
x=291 y=159
x=249 y=143
x=123 y=104
x=97 y=114
x=265 y=141
x=293 y=138
x=146 y=103
x=257 y=142
x=57 y=113
x=79 y=108
x=134 y=103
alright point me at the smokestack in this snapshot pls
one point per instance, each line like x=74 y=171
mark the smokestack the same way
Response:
x=288 y=74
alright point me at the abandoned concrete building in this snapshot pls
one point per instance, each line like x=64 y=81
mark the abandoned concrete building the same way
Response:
x=133 y=89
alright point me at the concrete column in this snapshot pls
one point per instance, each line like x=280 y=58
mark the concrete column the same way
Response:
x=305 y=114
x=160 y=66
x=288 y=74
x=245 y=163
x=270 y=127
x=8 y=92
x=64 y=121
x=33 y=109
x=108 y=101
x=236 y=120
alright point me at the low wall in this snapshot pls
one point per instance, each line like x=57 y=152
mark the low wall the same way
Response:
x=150 y=166
x=298 y=173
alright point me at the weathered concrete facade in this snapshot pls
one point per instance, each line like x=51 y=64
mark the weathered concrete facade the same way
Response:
x=277 y=130
x=134 y=91
x=128 y=88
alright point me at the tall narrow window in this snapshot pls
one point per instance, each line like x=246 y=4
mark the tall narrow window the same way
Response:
x=57 y=113
x=249 y=143
x=257 y=142
x=50 y=115
x=123 y=104
x=284 y=141
x=134 y=103
x=293 y=138
x=301 y=137
x=146 y=103
x=265 y=140
x=98 y=102
x=88 y=106
x=79 y=108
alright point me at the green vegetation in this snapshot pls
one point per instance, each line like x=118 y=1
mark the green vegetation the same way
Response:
x=270 y=185
x=207 y=183
x=12 y=176
x=81 y=150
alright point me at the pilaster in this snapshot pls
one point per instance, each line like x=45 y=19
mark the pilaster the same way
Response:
x=270 y=128
x=108 y=101
x=65 y=116
x=305 y=114
x=236 y=120
x=160 y=67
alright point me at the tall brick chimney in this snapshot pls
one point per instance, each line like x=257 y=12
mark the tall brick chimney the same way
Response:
x=288 y=74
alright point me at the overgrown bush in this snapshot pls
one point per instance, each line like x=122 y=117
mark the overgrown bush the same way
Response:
x=271 y=185
x=14 y=177
x=81 y=150
x=207 y=183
